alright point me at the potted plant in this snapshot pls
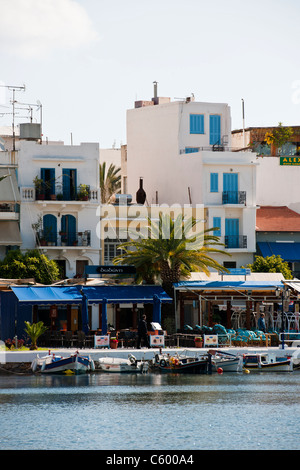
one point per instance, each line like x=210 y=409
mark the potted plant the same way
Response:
x=198 y=342
x=113 y=343
x=83 y=193
x=39 y=188
x=34 y=331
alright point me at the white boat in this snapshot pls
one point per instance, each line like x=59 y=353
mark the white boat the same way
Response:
x=226 y=362
x=53 y=364
x=119 y=364
x=263 y=362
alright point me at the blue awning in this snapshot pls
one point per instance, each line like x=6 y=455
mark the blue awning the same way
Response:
x=125 y=294
x=287 y=251
x=72 y=295
x=228 y=285
x=48 y=295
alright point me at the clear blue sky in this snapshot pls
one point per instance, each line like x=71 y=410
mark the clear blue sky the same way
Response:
x=87 y=61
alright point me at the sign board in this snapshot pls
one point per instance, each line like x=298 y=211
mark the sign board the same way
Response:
x=101 y=341
x=157 y=341
x=291 y=161
x=114 y=270
x=238 y=272
x=211 y=340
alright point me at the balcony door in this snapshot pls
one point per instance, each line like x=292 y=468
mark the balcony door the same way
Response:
x=230 y=188
x=69 y=184
x=50 y=228
x=68 y=229
x=232 y=232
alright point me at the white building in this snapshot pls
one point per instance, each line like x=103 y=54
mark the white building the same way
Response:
x=182 y=150
x=59 y=188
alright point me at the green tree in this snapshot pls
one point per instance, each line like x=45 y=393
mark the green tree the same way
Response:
x=271 y=264
x=110 y=181
x=169 y=252
x=32 y=264
x=34 y=331
x=279 y=136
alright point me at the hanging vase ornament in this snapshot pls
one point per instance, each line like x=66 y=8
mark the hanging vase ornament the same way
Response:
x=140 y=194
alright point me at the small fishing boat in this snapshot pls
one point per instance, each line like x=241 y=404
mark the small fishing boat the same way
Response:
x=74 y=364
x=119 y=364
x=226 y=362
x=262 y=362
x=181 y=363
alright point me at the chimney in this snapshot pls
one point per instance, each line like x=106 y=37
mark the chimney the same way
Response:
x=154 y=99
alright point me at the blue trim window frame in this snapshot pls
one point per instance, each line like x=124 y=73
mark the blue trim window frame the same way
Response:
x=217 y=223
x=196 y=123
x=214 y=182
x=215 y=129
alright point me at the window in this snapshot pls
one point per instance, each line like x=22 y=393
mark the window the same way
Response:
x=214 y=129
x=196 y=123
x=217 y=225
x=214 y=183
x=191 y=149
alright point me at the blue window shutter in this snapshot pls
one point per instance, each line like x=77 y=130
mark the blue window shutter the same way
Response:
x=230 y=187
x=217 y=223
x=48 y=177
x=214 y=186
x=69 y=184
x=214 y=129
x=232 y=232
x=196 y=123
x=50 y=228
x=68 y=226
x=191 y=149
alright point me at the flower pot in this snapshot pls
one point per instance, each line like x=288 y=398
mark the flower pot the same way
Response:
x=198 y=344
x=113 y=344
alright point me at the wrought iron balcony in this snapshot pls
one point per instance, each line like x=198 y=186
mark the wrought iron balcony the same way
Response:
x=234 y=197
x=235 y=241
x=59 y=239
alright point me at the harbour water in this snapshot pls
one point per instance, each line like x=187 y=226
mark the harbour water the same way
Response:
x=98 y=411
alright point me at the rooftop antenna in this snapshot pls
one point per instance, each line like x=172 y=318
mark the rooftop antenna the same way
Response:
x=243 y=115
x=14 y=89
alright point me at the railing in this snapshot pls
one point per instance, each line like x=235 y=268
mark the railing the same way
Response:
x=234 y=197
x=9 y=207
x=235 y=241
x=44 y=238
x=29 y=194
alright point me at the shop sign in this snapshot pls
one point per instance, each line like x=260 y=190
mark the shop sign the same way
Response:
x=291 y=161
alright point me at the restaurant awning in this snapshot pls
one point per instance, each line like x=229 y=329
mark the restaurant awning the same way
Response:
x=98 y=294
x=125 y=294
x=287 y=251
x=47 y=295
x=10 y=232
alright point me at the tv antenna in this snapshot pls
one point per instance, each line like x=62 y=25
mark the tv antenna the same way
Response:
x=13 y=89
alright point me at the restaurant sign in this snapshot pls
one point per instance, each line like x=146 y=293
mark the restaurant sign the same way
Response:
x=292 y=161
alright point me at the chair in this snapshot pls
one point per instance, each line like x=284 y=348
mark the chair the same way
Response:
x=81 y=339
x=69 y=339
x=57 y=339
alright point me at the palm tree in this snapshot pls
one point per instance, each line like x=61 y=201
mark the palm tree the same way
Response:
x=110 y=182
x=34 y=331
x=170 y=252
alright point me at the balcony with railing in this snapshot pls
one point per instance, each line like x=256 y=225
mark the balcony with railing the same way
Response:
x=63 y=239
x=234 y=197
x=235 y=241
x=81 y=193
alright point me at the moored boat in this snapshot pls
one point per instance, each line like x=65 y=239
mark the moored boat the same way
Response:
x=263 y=362
x=180 y=363
x=119 y=364
x=225 y=361
x=75 y=364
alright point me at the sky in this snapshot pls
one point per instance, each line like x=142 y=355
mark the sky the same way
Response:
x=88 y=61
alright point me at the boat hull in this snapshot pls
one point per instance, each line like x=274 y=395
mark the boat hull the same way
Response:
x=120 y=365
x=75 y=364
x=184 y=366
x=262 y=363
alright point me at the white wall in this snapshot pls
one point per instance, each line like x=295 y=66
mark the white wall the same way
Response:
x=277 y=185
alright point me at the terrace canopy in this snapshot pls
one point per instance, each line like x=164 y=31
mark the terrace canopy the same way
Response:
x=84 y=295
x=223 y=291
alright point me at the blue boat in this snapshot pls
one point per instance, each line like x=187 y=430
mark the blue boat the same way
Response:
x=53 y=364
